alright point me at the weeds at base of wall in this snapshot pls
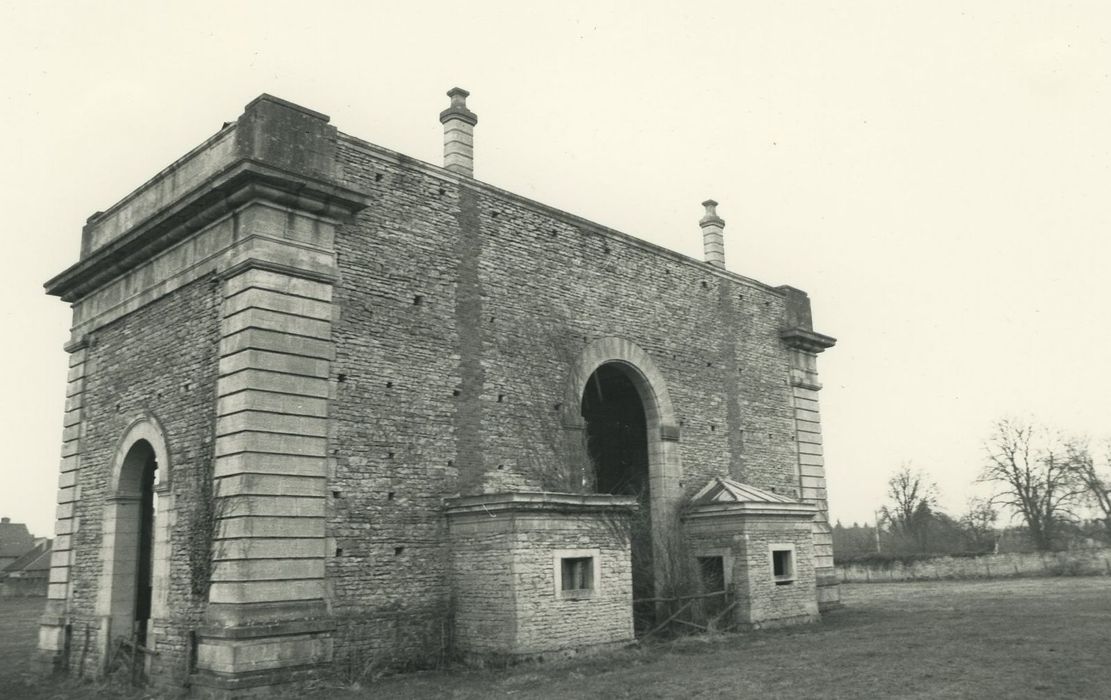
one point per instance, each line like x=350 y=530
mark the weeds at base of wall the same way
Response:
x=361 y=664
x=360 y=667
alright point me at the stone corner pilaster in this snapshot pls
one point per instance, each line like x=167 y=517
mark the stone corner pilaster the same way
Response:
x=804 y=346
x=54 y=624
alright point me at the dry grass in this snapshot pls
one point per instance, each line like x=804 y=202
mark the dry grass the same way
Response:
x=1033 y=638
x=19 y=630
x=22 y=679
x=1016 y=638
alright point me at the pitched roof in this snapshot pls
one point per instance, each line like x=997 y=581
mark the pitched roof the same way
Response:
x=37 y=559
x=15 y=540
x=723 y=497
x=723 y=490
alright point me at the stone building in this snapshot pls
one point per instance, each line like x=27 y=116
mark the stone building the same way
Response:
x=331 y=405
x=15 y=541
x=27 y=576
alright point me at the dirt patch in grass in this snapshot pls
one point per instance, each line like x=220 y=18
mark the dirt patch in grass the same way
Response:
x=1015 y=638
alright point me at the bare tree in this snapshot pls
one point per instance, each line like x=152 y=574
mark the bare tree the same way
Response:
x=978 y=524
x=1035 y=477
x=1096 y=483
x=913 y=498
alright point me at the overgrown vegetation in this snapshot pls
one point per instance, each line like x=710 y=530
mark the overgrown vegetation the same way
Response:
x=206 y=512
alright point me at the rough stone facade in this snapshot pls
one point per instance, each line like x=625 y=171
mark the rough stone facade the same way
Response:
x=330 y=351
x=506 y=573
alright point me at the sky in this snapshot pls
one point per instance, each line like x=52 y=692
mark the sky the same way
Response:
x=935 y=175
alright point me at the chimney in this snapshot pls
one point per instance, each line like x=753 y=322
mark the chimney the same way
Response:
x=459 y=123
x=713 y=239
x=5 y=521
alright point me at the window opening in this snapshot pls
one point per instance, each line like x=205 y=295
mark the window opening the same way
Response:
x=578 y=574
x=783 y=566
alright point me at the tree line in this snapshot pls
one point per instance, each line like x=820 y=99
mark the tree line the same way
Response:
x=1050 y=491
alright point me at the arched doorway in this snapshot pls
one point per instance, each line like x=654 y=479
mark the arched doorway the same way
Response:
x=647 y=435
x=130 y=546
x=132 y=557
x=616 y=431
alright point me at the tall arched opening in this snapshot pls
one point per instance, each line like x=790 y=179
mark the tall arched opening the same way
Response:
x=133 y=544
x=622 y=433
x=133 y=555
x=616 y=435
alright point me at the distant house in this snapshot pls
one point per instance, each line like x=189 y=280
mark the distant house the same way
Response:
x=28 y=575
x=15 y=541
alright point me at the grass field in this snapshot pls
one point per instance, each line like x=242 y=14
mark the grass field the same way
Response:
x=1015 y=638
x=19 y=632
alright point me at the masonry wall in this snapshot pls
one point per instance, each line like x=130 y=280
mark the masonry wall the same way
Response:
x=396 y=438
x=768 y=603
x=23 y=587
x=159 y=360
x=1074 y=562
x=460 y=315
x=547 y=621
x=748 y=541
x=505 y=598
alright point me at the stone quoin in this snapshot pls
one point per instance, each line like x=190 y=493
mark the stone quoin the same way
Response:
x=330 y=406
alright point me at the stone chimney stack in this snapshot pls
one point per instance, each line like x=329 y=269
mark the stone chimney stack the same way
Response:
x=713 y=238
x=459 y=123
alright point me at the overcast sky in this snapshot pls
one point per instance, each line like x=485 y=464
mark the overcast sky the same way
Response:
x=935 y=174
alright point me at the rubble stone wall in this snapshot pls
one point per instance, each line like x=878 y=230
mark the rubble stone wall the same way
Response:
x=461 y=313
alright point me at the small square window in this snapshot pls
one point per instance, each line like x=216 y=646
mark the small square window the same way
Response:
x=578 y=574
x=783 y=566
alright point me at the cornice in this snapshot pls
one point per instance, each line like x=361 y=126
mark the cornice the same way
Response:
x=798 y=510
x=495 y=504
x=244 y=181
x=806 y=340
